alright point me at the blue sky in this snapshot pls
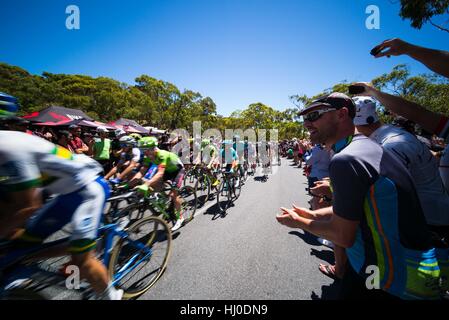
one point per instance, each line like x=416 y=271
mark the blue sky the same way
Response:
x=236 y=51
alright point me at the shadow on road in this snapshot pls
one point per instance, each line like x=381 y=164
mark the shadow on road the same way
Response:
x=261 y=179
x=306 y=237
x=325 y=255
x=215 y=211
x=329 y=292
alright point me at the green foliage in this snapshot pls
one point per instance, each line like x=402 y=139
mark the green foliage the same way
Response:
x=422 y=11
x=429 y=90
x=161 y=104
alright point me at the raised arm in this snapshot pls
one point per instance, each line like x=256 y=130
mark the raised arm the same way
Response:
x=435 y=60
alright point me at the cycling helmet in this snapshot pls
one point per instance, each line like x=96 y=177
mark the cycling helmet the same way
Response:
x=148 y=143
x=205 y=143
x=227 y=142
x=128 y=141
x=135 y=136
x=9 y=105
x=119 y=132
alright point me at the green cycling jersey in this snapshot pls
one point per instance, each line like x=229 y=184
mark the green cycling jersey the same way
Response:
x=169 y=160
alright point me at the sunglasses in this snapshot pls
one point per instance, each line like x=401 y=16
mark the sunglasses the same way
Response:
x=315 y=115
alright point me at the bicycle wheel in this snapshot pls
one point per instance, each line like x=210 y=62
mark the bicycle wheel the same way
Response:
x=244 y=177
x=149 y=262
x=236 y=186
x=203 y=189
x=190 y=178
x=189 y=203
x=224 y=196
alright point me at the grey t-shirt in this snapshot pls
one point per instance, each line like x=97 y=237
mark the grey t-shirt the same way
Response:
x=372 y=186
x=423 y=168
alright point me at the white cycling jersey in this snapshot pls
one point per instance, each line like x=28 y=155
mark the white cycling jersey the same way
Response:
x=28 y=161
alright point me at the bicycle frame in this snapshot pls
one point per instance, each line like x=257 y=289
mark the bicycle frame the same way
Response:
x=110 y=231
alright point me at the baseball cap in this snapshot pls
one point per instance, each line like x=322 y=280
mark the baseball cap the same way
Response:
x=102 y=129
x=365 y=111
x=334 y=100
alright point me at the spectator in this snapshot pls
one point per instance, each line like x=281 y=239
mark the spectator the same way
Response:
x=101 y=148
x=18 y=124
x=437 y=61
x=318 y=159
x=419 y=161
x=301 y=151
x=366 y=181
x=88 y=139
x=295 y=148
x=76 y=143
x=63 y=140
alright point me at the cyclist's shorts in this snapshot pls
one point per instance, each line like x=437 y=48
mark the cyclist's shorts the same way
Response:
x=83 y=209
x=229 y=168
x=151 y=172
x=137 y=168
x=176 y=178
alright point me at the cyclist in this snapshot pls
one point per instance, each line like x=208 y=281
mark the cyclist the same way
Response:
x=239 y=147
x=129 y=160
x=251 y=156
x=28 y=163
x=169 y=168
x=266 y=158
x=210 y=159
x=228 y=156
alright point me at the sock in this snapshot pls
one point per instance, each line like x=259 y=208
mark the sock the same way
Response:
x=111 y=293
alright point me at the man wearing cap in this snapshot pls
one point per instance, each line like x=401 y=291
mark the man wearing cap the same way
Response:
x=76 y=143
x=101 y=148
x=376 y=214
x=419 y=161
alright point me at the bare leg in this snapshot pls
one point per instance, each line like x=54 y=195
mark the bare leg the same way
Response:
x=340 y=261
x=92 y=270
x=176 y=202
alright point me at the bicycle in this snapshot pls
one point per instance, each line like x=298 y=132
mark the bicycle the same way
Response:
x=191 y=176
x=123 y=251
x=203 y=185
x=229 y=190
x=159 y=203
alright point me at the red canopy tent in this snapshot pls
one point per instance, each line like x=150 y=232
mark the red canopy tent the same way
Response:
x=57 y=114
x=130 y=126
x=58 y=123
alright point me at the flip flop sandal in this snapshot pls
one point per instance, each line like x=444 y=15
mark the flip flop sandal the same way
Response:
x=328 y=271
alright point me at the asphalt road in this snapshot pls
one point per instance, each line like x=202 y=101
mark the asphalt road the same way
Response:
x=245 y=255
x=248 y=255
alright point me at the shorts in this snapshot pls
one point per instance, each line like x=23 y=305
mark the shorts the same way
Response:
x=83 y=209
x=176 y=178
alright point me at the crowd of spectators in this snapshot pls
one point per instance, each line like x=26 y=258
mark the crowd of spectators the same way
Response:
x=382 y=189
